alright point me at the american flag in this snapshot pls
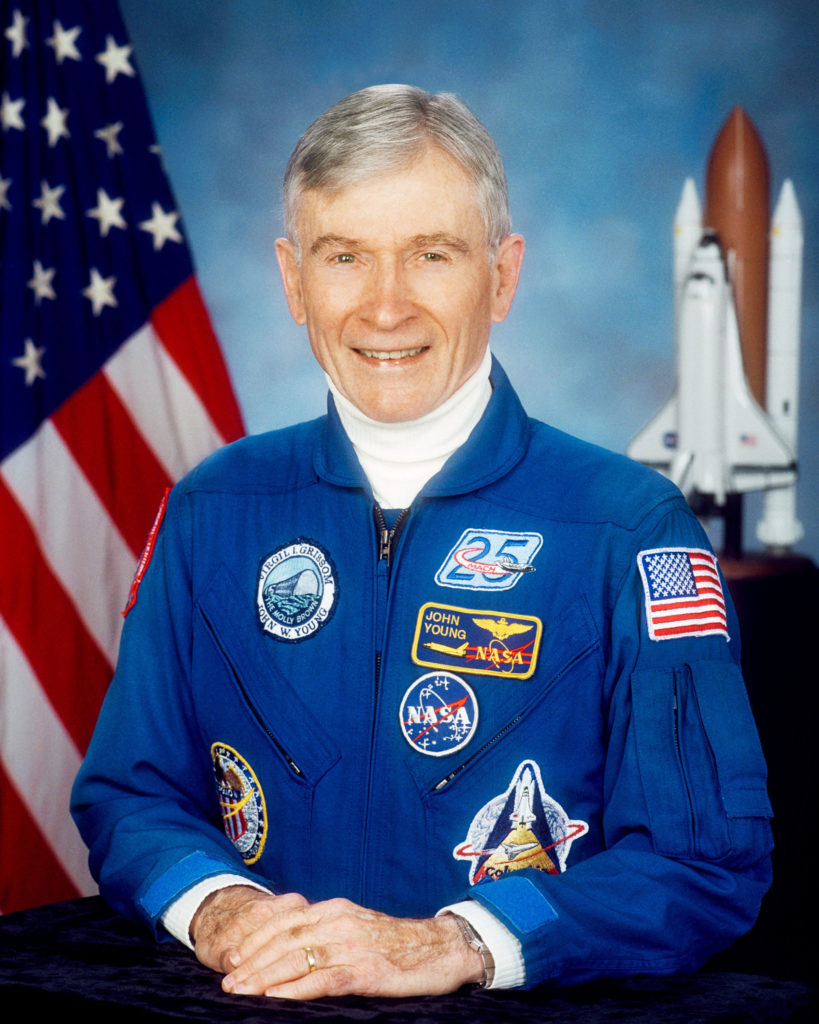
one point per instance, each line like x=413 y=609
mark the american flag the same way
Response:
x=683 y=593
x=111 y=386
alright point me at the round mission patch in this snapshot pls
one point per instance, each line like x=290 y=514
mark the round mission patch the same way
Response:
x=297 y=590
x=241 y=802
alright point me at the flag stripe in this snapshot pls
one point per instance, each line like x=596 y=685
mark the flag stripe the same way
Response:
x=29 y=863
x=167 y=411
x=42 y=618
x=33 y=737
x=186 y=333
x=82 y=545
x=113 y=457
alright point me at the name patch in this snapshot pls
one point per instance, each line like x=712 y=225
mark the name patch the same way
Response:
x=439 y=714
x=297 y=591
x=474 y=640
x=489 y=560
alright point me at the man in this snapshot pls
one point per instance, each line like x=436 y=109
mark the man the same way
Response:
x=424 y=655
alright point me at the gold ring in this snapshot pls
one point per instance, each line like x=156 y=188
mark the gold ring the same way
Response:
x=311 y=960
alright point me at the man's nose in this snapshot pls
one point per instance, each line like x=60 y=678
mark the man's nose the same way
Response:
x=388 y=302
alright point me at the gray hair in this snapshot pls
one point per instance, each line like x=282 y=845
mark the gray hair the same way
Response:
x=381 y=130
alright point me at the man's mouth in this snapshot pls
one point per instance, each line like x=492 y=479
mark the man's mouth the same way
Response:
x=399 y=353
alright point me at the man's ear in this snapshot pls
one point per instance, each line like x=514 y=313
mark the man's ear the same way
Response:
x=290 y=269
x=505 y=274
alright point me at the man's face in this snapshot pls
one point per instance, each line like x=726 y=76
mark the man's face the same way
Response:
x=396 y=285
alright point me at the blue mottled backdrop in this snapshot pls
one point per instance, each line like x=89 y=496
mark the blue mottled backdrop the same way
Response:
x=601 y=109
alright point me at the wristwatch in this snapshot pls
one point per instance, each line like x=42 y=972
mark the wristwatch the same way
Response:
x=477 y=943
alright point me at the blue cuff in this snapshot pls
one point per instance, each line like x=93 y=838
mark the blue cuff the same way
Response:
x=168 y=886
x=517 y=901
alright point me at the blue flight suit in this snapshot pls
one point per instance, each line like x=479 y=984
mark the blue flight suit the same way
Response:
x=525 y=694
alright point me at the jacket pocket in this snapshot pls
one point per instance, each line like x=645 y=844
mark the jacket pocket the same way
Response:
x=246 y=704
x=700 y=761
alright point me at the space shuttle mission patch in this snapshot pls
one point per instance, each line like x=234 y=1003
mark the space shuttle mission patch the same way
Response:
x=521 y=828
x=241 y=802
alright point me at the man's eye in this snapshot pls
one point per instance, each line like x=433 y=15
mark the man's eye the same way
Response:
x=432 y=257
x=345 y=257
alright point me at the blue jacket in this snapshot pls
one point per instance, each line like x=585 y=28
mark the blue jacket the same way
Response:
x=527 y=694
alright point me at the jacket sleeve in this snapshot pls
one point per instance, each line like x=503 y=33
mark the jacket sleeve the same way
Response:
x=685 y=827
x=144 y=798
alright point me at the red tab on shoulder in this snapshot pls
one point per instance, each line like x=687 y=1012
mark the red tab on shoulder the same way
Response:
x=145 y=557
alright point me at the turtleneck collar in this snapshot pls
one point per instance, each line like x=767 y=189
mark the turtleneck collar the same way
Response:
x=399 y=458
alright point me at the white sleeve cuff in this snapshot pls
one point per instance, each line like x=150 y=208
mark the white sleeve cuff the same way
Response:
x=510 y=969
x=178 y=916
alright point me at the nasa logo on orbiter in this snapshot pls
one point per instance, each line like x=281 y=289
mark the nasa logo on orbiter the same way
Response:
x=521 y=828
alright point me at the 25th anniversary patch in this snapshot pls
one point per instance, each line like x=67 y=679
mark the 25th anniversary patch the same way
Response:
x=297 y=590
x=475 y=640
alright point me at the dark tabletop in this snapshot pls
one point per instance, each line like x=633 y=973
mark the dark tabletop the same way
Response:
x=82 y=955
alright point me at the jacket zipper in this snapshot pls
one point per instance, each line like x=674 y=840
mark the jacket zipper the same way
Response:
x=252 y=707
x=385 y=547
x=445 y=781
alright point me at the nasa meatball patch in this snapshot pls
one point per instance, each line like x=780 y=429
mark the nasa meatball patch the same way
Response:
x=241 y=802
x=297 y=591
x=439 y=714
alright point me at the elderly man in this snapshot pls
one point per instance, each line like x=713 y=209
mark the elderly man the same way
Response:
x=424 y=655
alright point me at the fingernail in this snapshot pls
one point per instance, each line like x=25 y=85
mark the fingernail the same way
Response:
x=228 y=983
x=233 y=958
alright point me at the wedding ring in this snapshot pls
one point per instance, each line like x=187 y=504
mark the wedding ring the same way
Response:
x=311 y=960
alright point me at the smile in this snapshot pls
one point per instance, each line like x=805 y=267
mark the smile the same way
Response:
x=400 y=353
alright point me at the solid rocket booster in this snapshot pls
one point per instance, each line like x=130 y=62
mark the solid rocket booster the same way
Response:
x=779 y=527
x=737 y=208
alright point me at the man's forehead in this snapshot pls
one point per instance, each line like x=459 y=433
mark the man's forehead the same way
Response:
x=431 y=198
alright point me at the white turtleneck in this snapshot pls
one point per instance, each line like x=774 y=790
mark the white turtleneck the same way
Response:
x=399 y=458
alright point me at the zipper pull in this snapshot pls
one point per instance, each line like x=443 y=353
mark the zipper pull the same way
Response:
x=384 y=545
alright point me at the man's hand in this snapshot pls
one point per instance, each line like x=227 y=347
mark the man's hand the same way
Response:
x=298 y=951
x=229 y=915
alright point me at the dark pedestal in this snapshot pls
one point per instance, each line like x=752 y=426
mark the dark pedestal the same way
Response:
x=777 y=601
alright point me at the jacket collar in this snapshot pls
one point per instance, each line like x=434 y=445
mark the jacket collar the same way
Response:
x=497 y=443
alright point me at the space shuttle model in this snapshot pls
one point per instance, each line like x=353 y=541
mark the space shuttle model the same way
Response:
x=731 y=425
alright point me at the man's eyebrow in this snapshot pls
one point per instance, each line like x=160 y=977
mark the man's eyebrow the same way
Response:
x=440 y=238
x=333 y=242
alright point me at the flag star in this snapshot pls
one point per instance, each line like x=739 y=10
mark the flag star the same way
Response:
x=5 y=184
x=49 y=202
x=10 y=113
x=31 y=362
x=100 y=291
x=108 y=212
x=115 y=59
x=162 y=226
x=16 y=32
x=40 y=283
x=54 y=123
x=64 y=42
x=109 y=134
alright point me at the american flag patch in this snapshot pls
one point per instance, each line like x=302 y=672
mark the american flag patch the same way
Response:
x=683 y=593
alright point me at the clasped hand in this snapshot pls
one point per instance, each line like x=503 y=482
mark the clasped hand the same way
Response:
x=284 y=946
